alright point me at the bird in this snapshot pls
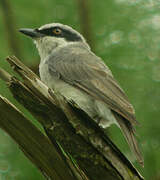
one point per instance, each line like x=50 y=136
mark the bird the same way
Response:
x=68 y=66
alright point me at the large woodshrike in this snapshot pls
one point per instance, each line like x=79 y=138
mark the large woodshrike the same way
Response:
x=69 y=66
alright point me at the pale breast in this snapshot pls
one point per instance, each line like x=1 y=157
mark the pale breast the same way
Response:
x=91 y=106
x=83 y=100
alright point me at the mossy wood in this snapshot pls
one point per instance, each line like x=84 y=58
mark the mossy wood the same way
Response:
x=83 y=146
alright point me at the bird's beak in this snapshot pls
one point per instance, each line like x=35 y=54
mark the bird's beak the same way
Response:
x=31 y=32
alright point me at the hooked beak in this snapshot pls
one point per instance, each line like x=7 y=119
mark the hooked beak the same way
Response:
x=33 y=33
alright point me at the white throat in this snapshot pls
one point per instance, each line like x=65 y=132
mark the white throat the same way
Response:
x=47 y=44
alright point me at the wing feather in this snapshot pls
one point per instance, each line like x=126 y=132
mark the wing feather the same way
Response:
x=84 y=70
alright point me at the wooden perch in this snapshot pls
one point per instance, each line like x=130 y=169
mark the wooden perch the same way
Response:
x=89 y=153
x=32 y=142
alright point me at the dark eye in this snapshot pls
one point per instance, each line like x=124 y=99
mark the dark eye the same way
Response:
x=57 y=31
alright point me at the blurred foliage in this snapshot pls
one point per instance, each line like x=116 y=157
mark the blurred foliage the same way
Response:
x=127 y=37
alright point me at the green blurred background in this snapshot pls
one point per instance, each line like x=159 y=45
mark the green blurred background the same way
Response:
x=125 y=33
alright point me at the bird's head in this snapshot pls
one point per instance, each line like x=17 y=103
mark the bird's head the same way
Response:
x=51 y=36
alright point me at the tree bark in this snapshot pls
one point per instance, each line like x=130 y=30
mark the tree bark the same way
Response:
x=83 y=146
x=32 y=142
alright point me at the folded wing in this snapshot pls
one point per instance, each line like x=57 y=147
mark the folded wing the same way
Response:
x=82 y=69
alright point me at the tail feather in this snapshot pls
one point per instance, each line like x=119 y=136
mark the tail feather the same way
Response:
x=129 y=133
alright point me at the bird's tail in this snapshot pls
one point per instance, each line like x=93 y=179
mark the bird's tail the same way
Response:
x=129 y=133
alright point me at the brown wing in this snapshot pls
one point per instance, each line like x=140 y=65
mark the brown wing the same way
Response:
x=82 y=69
x=86 y=71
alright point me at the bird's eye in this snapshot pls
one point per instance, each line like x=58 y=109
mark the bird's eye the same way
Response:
x=57 y=31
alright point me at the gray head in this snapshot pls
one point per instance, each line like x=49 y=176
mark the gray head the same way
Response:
x=51 y=36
